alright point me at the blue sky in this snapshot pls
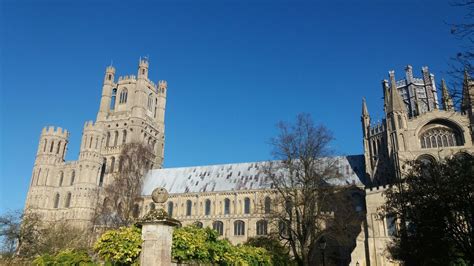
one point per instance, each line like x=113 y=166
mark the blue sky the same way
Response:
x=234 y=69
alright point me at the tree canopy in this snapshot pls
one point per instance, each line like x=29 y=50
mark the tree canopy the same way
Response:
x=434 y=207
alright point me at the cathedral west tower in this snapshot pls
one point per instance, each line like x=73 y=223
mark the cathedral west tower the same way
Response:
x=132 y=109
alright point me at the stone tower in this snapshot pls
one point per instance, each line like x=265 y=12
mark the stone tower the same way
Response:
x=413 y=128
x=132 y=109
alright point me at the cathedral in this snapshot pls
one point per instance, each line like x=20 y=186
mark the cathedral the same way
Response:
x=235 y=199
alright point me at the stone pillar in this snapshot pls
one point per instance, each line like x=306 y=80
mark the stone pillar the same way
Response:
x=157 y=233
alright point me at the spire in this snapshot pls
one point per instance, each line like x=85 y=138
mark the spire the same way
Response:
x=447 y=101
x=365 y=111
x=396 y=103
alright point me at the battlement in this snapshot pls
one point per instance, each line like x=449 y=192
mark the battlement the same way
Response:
x=56 y=131
x=377 y=189
x=89 y=125
x=128 y=78
x=162 y=84
x=143 y=62
x=377 y=128
x=110 y=69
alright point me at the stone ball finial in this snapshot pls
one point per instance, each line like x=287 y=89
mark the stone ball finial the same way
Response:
x=159 y=195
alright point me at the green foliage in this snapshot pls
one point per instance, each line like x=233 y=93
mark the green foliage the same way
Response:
x=201 y=245
x=434 y=206
x=120 y=246
x=279 y=254
x=64 y=257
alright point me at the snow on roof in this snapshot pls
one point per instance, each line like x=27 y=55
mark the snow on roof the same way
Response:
x=234 y=177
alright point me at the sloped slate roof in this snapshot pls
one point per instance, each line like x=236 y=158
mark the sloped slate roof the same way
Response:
x=235 y=177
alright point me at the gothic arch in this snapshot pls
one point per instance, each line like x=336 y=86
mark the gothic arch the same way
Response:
x=440 y=133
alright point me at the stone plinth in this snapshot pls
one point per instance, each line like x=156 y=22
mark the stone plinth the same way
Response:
x=157 y=236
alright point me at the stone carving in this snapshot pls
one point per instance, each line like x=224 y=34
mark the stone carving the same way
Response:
x=159 y=195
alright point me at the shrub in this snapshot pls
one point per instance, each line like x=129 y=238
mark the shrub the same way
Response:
x=64 y=257
x=121 y=246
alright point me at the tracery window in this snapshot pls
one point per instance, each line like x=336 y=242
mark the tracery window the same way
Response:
x=438 y=137
x=123 y=96
x=152 y=206
x=219 y=227
x=262 y=227
x=150 y=102
x=239 y=228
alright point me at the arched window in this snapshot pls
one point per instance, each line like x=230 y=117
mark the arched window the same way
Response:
x=96 y=142
x=112 y=164
x=73 y=176
x=246 y=205
x=262 y=227
x=45 y=145
x=56 y=201
x=52 y=146
x=61 y=178
x=123 y=96
x=90 y=142
x=267 y=204
x=156 y=106
x=239 y=228
x=116 y=138
x=108 y=140
x=207 y=207
x=112 y=100
x=391 y=225
x=283 y=228
x=152 y=206
x=57 y=148
x=68 y=200
x=226 y=206
x=124 y=137
x=136 y=210
x=170 y=208
x=189 y=206
x=150 y=102
x=219 y=227
x=198 y=224
x=440 y=133
x=102 y=172
x=426 y=159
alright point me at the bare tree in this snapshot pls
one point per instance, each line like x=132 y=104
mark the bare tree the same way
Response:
x=463 y=60
x=302 y=175
x=26 y=235
x=119 y=203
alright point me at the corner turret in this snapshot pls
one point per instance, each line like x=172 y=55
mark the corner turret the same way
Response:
x=143 y=68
